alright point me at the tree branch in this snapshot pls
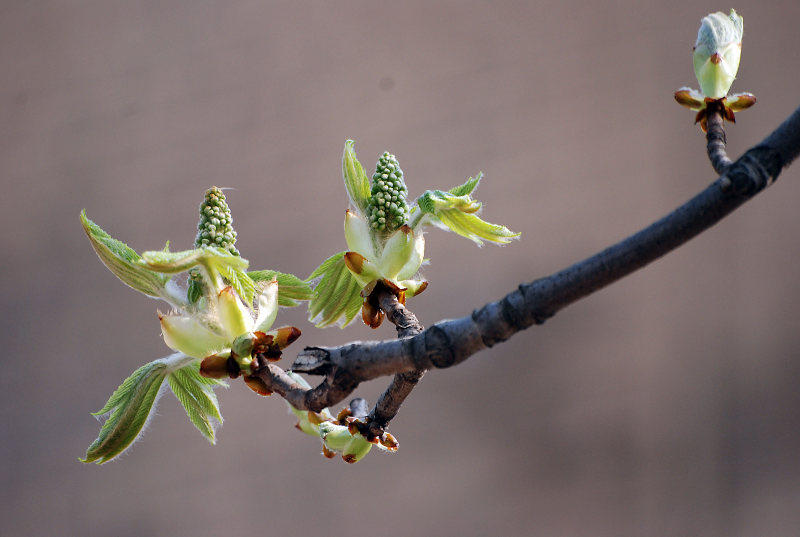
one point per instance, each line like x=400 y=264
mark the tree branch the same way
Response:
x=450 y=342
x=715 y=137
x=390 y=400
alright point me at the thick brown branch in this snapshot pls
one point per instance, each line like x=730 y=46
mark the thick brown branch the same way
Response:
x=450 y=342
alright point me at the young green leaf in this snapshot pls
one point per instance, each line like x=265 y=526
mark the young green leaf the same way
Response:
x=216 y=261
x=471 y=226
x=290 y=287
x=197 y=397
x=355 y=178
x=467 y=188
x=123 y=261
x=129 y=408
x=336 y=297
x=435 y=201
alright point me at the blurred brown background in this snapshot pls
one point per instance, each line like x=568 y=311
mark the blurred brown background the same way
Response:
x=666 y=404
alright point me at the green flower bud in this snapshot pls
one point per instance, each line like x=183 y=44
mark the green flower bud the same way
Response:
x=215 y=225
x=243 y=346
x=387 y=209
x=717 y=53
x=196 y=287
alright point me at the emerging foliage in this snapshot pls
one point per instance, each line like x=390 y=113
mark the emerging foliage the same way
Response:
x=385 y=240
x=223 y=309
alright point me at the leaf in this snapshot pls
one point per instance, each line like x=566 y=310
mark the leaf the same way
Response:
x=290 y=287
x=173 y=262
x=215 y=260
x=129 y=409
x=123 y=261
x=196 y=395
x=472 y=227
x=355 y=179
x=336 y=297
x=467 y=188
x=435 y=201
x=240 y=281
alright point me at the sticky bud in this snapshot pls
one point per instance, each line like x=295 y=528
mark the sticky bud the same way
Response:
x=214 y=366
x=717 y=53
x=286 y=335
x=257 y=385
x=371 y=314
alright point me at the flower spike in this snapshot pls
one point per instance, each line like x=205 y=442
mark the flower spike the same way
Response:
x=387 y=208
x=215 y=226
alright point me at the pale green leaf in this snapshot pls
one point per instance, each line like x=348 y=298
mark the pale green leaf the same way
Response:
x=196 y=395
x=336 y=297
x=467 y=188
x=239 y=280
x=128 y=409
x=355 y=179
x=173 y=262
x=290 y=287
x=435 y=201
x=471 y=226
x=123 y=261
x=216 y=261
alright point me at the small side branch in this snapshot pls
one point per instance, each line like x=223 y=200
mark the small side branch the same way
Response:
x=715 y=137
x=402 y=384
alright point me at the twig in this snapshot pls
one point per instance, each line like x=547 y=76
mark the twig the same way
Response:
x=448 y=343
x=390 y=400
x=715 y=137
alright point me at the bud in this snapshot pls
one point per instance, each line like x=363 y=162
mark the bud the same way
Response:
x=334 y=436
x=243 y=345
x=403 y=255
x=257 y=385
x=364 y=270
x=215 y=227
x=196 y=287
x=285 y=336
x=267 y=306
x=215 y=366
x=358 y=235
x=387 y=208
x=397 y=251
x=233 y=314
x=190 y=335
x=717 y=53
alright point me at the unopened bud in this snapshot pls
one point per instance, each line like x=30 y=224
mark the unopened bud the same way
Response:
x=717 y=53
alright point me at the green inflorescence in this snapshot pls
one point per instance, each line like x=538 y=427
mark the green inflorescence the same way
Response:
x=387 y=208
x=215 y=226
